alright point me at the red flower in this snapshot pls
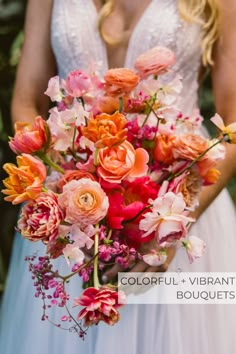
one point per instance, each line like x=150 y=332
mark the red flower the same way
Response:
x=100 y=305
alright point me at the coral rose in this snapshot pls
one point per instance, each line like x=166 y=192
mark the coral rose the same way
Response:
x=155 y=61
x=189 y=146
x=84 y=202
x=101 y=305
x=40 y=219
x=29 y=138
x=163 y=149
x=121 y=162
x=25 y=181
x=106 y=130
x=120 y=81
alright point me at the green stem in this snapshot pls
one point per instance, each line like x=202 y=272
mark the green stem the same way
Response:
x=196 y=160
x=96 y=283
x=120 y=104
x=50 y=163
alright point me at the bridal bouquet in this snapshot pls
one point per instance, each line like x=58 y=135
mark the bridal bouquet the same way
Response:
x=115 y=166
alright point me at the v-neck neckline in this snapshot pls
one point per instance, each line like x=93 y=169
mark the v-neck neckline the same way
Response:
x=132 y=35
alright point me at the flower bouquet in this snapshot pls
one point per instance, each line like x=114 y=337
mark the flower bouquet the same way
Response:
x=115 y=166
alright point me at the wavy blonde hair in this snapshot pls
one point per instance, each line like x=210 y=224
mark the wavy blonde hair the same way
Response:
x=204 y=12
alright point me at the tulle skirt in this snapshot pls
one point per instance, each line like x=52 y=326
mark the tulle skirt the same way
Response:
x=165 y=329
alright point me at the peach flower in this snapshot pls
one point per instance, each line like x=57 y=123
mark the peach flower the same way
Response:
x=29 y=138
x=228 y=131
x=121 y=162
x=155 y=61
x=25 y=182
x=189 y=146
x=120 y=81
x=71 y=175
x=84 y=202
x=106 y=130
x=163 y=148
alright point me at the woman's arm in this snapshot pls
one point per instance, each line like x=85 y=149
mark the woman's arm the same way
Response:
x=224 y=87
x=36 y=65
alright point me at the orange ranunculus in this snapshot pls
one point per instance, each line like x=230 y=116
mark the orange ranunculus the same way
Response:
x=122 y=161
x=29 y=138
x=163 y=148
x=106 y=130
x=189 y=146
x=109 y=105
x=73 y=175
x=155 y=61
x=25 y=181
x=120 y=81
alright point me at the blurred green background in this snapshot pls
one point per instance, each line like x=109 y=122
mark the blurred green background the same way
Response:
x=11 y=37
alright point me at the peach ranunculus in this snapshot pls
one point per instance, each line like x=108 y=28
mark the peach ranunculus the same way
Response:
x=84 y=202
x=106 y=130
x=40 y=218
x=163 y=148
x=71 y=175
x=155 y=61
x=122 y=161
x=25 y=182
x=189 y=146
x=29 y=138
x=120 y=81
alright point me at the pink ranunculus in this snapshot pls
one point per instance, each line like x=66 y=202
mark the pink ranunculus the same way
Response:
x=29 y=138
x=100 y=305
x=53 y=90
x=122 y=161
x=83 y=201
x=40 y=219
x=167 y=219
x=78 y=83
x=155 y=61
x=195 y=247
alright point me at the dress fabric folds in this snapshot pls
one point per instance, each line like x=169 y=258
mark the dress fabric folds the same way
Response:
x=143 y=329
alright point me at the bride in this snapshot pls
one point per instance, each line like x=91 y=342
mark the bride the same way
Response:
x=61 y=36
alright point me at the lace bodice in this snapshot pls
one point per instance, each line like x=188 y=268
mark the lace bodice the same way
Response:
x=76 y=41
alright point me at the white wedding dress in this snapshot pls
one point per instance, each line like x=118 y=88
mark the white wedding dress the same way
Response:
x=143 y=329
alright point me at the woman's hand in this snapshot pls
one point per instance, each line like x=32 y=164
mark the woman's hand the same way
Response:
x=141 y=266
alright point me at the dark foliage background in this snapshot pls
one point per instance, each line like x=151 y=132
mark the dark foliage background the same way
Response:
x=11 y=37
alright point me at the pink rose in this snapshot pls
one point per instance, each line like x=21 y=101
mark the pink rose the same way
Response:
x=78 y=83
x=40 y=219
x=29 y=138
x=122 y=161
x=155 y=61
x=167 y=219
x=101 y=305
x=83 y=201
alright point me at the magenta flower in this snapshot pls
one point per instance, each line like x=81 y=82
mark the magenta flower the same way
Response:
x=100 y=305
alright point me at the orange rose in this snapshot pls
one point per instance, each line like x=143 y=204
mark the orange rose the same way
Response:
x=122 y=161
x=189 y=146
x=163 y=148
x=120 y=81
x=155 y=61
x=25 y=181
x=106 y=130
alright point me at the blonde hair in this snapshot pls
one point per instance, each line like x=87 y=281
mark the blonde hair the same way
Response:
x=204 y=12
